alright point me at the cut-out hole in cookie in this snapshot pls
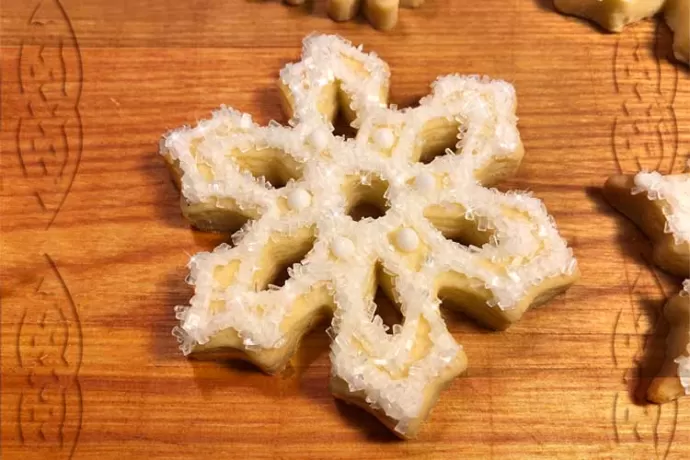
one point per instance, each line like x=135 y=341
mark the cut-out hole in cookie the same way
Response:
x=438 y=135
x=275 y=166
x=388 y=311
x=383 y=292
x=280 y=255
x=366 y=197
x=452 y=222
x=342 y=127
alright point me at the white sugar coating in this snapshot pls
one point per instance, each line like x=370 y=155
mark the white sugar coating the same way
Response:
x=407 y=240
x=675 y=191
x=342 y=247
x=299 y=199
x=525 y=248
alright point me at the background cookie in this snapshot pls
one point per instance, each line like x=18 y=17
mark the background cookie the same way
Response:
x=674 y=379
x=615 y=15
x=382 y=14
x=660 y=206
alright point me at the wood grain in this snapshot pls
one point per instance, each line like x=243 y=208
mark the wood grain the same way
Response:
x=89 y=368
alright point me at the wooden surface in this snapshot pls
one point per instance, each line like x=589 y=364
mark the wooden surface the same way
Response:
x=94 y=247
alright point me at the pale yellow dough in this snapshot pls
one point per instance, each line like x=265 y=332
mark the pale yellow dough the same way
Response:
x=667 y=386
x=649 y=216
x=612 y=15
x=382 y=14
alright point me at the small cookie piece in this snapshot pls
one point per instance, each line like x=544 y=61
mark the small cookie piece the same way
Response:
x=612 y=15
x=660 y=206
x=674 y=378
x=382 y=14
x=427 y=169
x=677 y=15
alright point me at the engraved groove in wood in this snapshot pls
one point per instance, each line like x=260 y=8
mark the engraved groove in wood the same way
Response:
x=49 y=133
x=49 y=352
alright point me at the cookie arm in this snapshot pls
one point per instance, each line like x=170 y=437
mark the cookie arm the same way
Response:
x=667 y=386
x=649 y=216
x=343 y=10
x=227 y=344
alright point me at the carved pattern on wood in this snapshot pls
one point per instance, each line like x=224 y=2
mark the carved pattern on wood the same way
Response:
x=49 y=133
x=644 y=137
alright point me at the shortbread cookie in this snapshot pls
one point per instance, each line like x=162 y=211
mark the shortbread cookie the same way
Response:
x=299 y=187
x=660 y=206
x=674 y=378
x=382 y=14
x=614 y=15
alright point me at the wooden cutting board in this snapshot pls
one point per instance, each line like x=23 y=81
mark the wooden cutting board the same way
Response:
x=94 y=247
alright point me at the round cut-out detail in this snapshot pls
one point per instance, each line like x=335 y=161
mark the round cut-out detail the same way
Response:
x=366 y=197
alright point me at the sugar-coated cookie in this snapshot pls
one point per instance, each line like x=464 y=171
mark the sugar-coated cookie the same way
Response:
x=440 y=232
x=660 y=206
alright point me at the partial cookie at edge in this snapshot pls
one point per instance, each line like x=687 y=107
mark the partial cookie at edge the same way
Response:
x=660 y=206
x=649 y=215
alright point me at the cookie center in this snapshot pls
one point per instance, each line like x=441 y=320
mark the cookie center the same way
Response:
x=366 y=197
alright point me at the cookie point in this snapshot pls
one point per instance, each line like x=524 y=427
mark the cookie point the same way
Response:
x=299 y=199
x=407 y=240
x=342 y=247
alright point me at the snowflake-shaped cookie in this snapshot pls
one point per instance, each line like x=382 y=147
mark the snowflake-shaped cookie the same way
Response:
x=439 y=230
x=660 y=206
